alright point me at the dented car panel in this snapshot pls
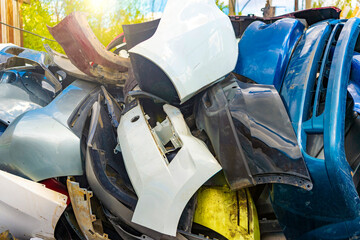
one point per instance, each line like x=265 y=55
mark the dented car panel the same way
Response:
x=160 y=182
x=86 y=52
x=28 y=209
x=40 y=144
x=252 y=135
x=186 y=38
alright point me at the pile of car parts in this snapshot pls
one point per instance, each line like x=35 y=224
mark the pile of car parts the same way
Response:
x=184 y=131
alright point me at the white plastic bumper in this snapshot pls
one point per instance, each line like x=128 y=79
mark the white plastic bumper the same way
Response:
x=163 y=188
x=194 y=45
x=29 y=209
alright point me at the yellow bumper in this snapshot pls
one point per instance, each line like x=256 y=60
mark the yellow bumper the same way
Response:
x=229 y=213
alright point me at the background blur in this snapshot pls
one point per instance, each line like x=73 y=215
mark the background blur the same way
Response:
x=107 y=16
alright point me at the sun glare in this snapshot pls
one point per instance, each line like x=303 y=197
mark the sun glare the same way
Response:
x=99 y=5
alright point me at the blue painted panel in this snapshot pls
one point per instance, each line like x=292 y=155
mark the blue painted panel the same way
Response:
x=265 y=50
x=354 y=84
x=332 y=207
x=339 y=171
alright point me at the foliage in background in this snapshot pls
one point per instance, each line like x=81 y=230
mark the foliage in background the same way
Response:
x=318 y=3
x=341 y=4
x=105 y=20
x=35 y=17
x=336 y=3
x=222 y=6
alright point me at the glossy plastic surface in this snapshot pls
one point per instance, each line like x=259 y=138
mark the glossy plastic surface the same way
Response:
x=137 y=33
x=15 y=56
x=165 y=185
x=339 y=171
x=251 y=134
x=194 y=45
x=333 y=203
x=40 y=144
x=29 y=209
x=354 y=84
x=265 y=50
x=22 y=90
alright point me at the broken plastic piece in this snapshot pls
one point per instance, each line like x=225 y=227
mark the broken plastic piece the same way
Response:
x=64 y=63
x=252 y=135
x=160 y=182
x=86 y=52
x=80 y=201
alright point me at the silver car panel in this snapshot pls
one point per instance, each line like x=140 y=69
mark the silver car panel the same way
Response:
x=39 y=144
x=14 y=56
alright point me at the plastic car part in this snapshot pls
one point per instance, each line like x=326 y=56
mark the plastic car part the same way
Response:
x=81 y=203
x=137 y=33
x=118 y=201
x=86 y=52
x=230 y=213
x=6 y=236
x=251 y=134
x=339 y=171
x=63 y=62
x=40 y=143
x=314 y=92
x=191 y=51
x=56 y=186
x=108 y=178
x=119 y=226
x=4 y=45
x=2 y=128
x=264 y=66
x=354 y=84
x=118 y=42
x=108 y=166
x=28 y=209
x=15 y=56
x=310 y=16
x=158 y=180
x=302 y=71
x=21 y=90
